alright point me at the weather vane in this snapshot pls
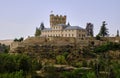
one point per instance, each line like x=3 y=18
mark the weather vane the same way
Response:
x=51 y=12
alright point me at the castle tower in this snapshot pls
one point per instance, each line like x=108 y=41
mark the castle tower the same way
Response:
x=54 y=20
x=89 y=29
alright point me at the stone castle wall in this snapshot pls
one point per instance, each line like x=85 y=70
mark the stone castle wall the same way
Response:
x=48 y=42
x=55 y=19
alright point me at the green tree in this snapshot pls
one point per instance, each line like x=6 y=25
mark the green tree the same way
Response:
x=37 y=32
x=97 y=37
x=18 y=40
x=21 y=39
x=103 y=30
x=12 y=63
x=117 y=33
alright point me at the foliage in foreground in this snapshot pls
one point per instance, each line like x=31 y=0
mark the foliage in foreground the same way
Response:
x=20 y=65
x=17 y=74
x=106 y=47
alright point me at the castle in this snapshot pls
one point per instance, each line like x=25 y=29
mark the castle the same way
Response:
x=58 y=28
x=60 y=35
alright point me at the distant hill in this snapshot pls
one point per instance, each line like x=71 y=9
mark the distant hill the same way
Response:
x=6 y=42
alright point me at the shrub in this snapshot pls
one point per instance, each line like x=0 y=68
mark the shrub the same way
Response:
x=97 y=37
x=61 y=59
x=17 y=74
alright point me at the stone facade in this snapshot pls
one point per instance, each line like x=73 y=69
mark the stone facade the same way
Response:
x=58 y=28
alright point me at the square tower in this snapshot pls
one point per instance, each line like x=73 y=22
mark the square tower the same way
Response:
x=54 y=20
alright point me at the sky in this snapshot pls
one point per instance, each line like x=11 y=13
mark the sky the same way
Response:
x=19 y=18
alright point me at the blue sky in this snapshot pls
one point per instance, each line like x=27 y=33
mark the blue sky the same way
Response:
x=19 y=18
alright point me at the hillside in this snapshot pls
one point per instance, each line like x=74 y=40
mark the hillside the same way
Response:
x=71 y=58
x=6 y=42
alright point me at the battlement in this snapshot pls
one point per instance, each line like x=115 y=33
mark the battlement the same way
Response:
x=57 y=19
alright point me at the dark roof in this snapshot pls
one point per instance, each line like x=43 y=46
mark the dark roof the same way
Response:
x=70 y=27
x=66 y=27
x=46 y=29
x=73 y=28
x=61 y=25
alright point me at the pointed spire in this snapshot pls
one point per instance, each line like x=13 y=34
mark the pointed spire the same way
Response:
x=51 y=12
x=42 y=26
x=68 y=24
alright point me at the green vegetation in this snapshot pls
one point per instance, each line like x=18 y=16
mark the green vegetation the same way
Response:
x=86 y=62
x=37 y=32
x=103 y=30
x=60 y=59
x=17 y=74
x=97 y=37
x=4 y=48
x=18 y=40
x=12 y=66
x=106 y=47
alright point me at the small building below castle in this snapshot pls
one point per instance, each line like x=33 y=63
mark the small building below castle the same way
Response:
x=58 y=28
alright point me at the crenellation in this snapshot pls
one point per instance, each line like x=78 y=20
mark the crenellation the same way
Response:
x=56 y=19
x=59 y=28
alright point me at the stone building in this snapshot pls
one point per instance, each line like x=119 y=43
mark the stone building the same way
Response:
x=58 y=28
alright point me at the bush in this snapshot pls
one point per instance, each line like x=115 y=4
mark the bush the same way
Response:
x=36 y=65
x=61 y=59
x=97 y=37
x=13 y=63
x=91 y=75
x=106 y=47
x=17 y=74
x=18 y=40
x=84 y=63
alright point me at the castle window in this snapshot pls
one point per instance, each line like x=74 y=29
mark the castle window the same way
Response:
x=65 y=35
x=72 y=35
x=82 y=35
x=79 y=35
x=69 y=35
